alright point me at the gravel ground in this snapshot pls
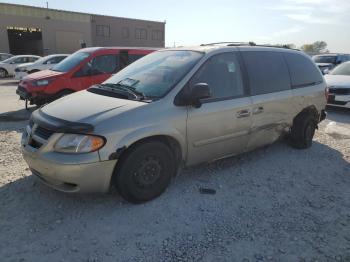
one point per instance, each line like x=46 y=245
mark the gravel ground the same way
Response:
x=273 y=204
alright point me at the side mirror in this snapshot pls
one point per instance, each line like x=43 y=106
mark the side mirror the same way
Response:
x=199 y=91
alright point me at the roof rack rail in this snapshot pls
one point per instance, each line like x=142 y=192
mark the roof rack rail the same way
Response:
x=250 y=44
x=230 y=43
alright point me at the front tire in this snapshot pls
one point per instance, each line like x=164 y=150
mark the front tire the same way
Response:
x=303 y=130
x=3 y=73
x=145 y=171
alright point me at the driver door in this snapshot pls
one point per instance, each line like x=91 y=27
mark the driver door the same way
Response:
x=220 y=127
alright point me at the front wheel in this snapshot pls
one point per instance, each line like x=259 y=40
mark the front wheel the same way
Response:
x=145 y=171
x=3 y=73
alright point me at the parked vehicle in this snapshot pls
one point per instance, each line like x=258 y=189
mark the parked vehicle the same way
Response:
x=327 y=62
x=7 y=67
x=4 y=56
x=173 y=107
x=338 y=81
x=79 y=71
x=46 y=62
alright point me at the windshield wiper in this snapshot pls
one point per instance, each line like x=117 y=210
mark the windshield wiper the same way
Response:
x=127 y=89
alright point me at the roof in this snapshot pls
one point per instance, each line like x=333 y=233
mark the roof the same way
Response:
x=229 y=45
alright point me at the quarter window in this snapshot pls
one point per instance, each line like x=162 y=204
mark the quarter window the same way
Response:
x=267 y=72
x=303 y=71
x=223 y=75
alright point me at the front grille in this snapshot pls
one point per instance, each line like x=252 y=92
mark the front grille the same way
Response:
x=35 y=144
x=43 y=132
x=21 y=88
x=340 y=91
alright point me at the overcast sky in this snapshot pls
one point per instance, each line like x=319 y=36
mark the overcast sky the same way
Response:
x=262 y=21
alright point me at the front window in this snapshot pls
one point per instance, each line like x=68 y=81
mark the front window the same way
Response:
x=70 y=62
x=325 y=59
x=157 y=73
x=342 y=69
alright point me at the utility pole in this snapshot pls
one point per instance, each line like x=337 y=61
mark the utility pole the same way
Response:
x=47 y=5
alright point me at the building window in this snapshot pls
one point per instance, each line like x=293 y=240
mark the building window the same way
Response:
x=157 y=35
x=140 y=33
x=125 y=32
x=103 y=30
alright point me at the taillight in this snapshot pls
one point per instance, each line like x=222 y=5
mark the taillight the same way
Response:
x=326 y=93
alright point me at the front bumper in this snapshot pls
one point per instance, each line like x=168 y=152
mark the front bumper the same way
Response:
x=23 y=93
x=83 y=173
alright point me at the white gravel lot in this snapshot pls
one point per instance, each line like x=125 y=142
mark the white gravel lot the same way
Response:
x=273 y=204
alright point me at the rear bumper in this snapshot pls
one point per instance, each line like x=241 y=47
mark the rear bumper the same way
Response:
x=20 y=75
x=339 y=100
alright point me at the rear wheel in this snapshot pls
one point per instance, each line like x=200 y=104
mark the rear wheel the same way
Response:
x=3 y=73
x=303 y=130
x=145 y=172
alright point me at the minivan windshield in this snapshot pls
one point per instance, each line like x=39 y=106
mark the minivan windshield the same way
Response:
x=70 y=62
x=342 y=69
x=155 y=74
x=324 y=59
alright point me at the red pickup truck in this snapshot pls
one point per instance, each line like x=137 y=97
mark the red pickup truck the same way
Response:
x=84 y=68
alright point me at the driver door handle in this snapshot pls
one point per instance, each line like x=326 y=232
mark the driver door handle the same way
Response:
x=243 y=113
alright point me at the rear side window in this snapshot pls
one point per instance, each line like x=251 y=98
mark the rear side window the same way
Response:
x=303 y=71
x=267 y=72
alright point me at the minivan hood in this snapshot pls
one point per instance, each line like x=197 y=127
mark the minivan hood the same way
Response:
x=87 y=107
x=43 y=75
x=338 y=80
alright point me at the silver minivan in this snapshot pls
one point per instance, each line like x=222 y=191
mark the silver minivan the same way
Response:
x=172 y=108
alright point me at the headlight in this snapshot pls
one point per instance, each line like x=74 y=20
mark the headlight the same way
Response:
x=43 y=82
x=74 y=143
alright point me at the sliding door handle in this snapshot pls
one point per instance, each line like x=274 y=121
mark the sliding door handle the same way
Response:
x=258 y=110
x=243 y=113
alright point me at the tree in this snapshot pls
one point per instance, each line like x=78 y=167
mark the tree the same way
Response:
x=317 y=47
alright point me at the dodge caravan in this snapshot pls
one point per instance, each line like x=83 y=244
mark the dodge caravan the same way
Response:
x=171 y=108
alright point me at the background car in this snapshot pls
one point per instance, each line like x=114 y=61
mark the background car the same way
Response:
x=327 y=62
x=7 y=67
x=338 y=81
x=79 y=71
x=46 y=62
x=4 y=56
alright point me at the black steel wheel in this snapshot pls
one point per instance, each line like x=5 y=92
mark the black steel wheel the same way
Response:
x=145 y=171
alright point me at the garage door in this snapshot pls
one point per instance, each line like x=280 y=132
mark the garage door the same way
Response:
x=68 y=42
